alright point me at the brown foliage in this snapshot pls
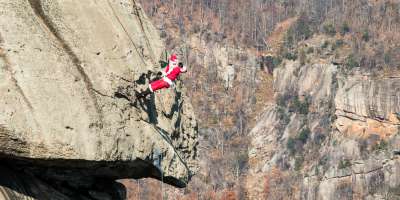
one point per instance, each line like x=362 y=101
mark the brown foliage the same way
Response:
x=259 y=27
x=228 y=195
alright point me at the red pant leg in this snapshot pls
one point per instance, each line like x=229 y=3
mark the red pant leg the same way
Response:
x=159 y=84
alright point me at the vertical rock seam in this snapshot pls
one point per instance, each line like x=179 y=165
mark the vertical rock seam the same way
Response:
x=126 y=32
x=7 y=67
x=137 y=13
x=39 y=12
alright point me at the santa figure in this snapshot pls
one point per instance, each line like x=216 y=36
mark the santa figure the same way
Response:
x=169 y=75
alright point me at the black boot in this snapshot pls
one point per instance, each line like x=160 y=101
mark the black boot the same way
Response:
x=144 y=93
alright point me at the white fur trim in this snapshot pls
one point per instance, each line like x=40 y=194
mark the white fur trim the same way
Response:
x=166 y=79
x=171 y=67
x=184 y=69
x=150 y=88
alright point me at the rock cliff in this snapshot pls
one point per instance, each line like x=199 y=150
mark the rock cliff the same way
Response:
x=62 y=124
x=322 y=118
x=330 y=135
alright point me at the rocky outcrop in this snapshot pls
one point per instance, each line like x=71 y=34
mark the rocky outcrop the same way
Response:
x=371 y=105
x=330 y=135
x=61 y=64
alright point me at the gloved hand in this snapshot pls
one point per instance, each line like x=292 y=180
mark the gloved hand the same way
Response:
x=156 y=77
x=173 y=86
x=180 y=64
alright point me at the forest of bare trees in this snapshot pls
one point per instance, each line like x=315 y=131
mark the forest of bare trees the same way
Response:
x=372 y=24
x=370 y=27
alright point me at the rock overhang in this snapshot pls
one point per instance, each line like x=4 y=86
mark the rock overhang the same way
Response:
x=59 y=110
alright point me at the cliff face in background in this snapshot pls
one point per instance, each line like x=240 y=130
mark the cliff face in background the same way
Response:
x=297 y=66
x=62 y=126
x=331 y=133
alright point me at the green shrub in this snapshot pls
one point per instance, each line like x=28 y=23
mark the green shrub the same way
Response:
x=283 y=117
x=387 y=58
x=298 y=106
x=365 y=35
x=276 y=61
x=344 y=29
x=329 y=29
x=290 y=56
x=302 y=56
x=298 y=141
x=310 y=50
x=381 y=146
x=338 y=43
x=304 y=134
x=319 y=138
x=302 y=29
x=242 y=159
x=289 y=40
x=294 y=104
x=351 y=62
x=298 y=162
x=324 y=160
x=325 y=45
x=344 y=164
x=290 y=145
x=281 y=100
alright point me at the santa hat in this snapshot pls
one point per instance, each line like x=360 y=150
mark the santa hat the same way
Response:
x=173 y=58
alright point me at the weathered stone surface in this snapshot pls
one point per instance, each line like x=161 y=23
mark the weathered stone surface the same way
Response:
x=61 y=63
x=368 y=106
x=354 y=125
x=314 y=79
x=366 y=96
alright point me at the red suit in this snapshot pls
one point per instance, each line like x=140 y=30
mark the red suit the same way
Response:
x=170 y=74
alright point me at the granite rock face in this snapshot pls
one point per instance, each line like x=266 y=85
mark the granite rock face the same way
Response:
x=61 y=66
x=330 y=135
x=372 y=105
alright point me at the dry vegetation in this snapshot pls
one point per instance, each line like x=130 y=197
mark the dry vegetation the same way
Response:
x=366 y=31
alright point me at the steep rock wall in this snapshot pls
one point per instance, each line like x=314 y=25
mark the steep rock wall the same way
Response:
x=330 y=135
x=61 y=64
